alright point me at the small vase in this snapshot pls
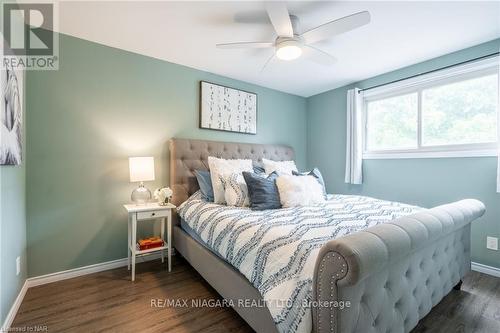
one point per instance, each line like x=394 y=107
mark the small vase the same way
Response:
x=164 y=202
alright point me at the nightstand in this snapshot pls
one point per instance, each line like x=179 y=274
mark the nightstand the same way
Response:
x=149 y=212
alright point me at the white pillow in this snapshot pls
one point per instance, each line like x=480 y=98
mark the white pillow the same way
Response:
x=235 y=190
x=281 y=167
x=299 y=191
x=220 y=166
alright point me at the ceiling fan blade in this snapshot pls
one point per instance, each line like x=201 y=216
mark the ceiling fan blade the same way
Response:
x=336 y=27
x=267 y=62
x=280 y=18
x=245 y=45
x=319 y=56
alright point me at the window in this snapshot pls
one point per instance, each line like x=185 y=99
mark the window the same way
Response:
x=393 y=123
x=461 y=112
x=443 y=114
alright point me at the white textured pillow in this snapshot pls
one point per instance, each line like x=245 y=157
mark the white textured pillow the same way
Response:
x=220 y=166
x=235 y=190
x=281 y=167
x=299 y=191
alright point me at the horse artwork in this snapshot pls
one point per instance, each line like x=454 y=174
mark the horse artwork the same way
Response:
x=11 y=117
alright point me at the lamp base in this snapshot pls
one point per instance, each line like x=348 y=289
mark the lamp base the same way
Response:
x=141 y=195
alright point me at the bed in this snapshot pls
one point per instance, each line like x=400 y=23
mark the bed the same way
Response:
x=391 y=273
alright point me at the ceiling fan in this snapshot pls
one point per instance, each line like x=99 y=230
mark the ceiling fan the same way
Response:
x=290 y=44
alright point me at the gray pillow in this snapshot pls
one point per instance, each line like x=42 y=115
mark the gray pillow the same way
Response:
x=205 y=182
x=263 y=192
x=316 y=174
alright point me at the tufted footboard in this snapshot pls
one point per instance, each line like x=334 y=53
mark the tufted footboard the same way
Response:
x=394 y=273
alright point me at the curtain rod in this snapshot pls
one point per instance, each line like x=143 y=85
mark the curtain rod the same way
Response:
x=432 y=71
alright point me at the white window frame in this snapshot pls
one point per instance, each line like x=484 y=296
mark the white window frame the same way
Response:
x=417 y=85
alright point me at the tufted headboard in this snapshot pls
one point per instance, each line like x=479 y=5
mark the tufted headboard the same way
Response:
x=187 y=155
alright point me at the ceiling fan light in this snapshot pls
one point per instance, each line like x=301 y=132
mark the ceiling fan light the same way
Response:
x=288 y=50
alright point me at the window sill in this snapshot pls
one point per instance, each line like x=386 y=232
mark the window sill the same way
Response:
x=430 y=154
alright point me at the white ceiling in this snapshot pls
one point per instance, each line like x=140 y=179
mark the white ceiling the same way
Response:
x=400 y=34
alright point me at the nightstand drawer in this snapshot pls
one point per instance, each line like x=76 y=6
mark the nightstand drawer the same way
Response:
x=152 y=215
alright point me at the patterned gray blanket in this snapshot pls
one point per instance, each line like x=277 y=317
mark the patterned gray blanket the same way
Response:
x=276 y=250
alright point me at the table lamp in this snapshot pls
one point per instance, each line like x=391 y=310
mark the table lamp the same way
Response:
x=142 y=169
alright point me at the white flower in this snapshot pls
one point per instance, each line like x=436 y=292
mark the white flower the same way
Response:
x=162 y=194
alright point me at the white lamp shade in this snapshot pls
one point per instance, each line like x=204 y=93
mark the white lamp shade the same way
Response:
x=142 y=169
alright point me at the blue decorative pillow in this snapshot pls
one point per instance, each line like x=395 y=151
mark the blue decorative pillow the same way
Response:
x=205 y=182
x=262 y=191
x=259 y=169
x=316 y=174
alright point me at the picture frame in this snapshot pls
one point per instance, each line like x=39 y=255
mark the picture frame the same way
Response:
x=11 y=124
x=227 y=109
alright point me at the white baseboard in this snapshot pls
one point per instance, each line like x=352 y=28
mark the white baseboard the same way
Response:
x=490 y=270
x=13 y=310
x=85 y=270
x=68 y=274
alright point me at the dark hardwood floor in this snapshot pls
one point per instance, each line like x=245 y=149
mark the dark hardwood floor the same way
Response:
x=475 y=308
x=109 y=302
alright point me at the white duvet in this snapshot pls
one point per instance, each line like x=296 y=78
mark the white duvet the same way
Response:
x=276 y=250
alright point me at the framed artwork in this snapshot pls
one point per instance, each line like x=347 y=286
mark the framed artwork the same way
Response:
x=227 y=109
x=11 y=118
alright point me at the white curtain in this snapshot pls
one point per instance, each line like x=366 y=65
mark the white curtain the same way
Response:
x=354 y=142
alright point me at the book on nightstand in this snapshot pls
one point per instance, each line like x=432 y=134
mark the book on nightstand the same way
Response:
x=149 y=243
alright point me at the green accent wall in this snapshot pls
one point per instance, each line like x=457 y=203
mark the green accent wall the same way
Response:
x=425 y=182
x=84 y=121
x=12 y=234
x=12 y=227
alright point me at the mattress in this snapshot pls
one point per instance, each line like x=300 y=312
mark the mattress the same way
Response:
x=276 y=250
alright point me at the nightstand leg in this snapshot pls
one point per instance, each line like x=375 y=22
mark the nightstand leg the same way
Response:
x=134 y=235
x=128 y=242
x=169 y=239
x=162 y=231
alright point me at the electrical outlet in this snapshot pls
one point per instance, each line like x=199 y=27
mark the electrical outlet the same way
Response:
x=492 y=243
x=18 y=265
